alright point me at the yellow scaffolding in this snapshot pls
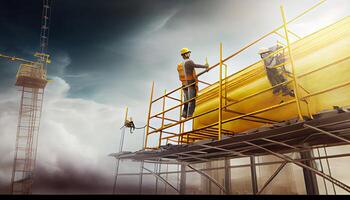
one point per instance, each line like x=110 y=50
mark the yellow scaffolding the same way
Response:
x=215 y=130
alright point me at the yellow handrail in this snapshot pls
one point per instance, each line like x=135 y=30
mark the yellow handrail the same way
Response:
x=221 y=108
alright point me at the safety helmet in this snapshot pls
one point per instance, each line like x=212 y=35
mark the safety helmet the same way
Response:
x=263 y=50
x=184 y=50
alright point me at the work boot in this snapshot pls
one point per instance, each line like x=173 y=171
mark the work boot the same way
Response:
x=275 y=91
x=286 y=91
x=291 y=93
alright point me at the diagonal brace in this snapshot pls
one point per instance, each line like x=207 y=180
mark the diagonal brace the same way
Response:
x=273 y=176
x=327 y=133
x=289 y=159
x=162 y=179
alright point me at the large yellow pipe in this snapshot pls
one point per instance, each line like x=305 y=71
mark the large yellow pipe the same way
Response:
x=329 y=46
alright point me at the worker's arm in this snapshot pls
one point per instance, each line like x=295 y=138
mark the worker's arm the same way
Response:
x=194 y=65
x=201 y=66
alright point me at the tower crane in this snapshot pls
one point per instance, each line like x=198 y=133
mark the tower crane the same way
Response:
x=31 y=78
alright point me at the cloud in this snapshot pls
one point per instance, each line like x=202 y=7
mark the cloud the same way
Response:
x=76 y=135
x=106 y=61
x=331 y=12
x=162 y=21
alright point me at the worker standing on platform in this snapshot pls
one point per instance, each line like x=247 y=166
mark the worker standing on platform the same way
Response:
x=274 y=74
x=188 y=77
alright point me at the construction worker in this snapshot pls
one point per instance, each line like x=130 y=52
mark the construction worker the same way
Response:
x=275 y=75
x=187 y=75
x=129 y=124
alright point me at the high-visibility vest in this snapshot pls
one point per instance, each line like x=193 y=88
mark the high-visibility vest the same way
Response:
x=183 y=76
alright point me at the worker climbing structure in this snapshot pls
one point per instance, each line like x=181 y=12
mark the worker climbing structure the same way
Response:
x=239 y=116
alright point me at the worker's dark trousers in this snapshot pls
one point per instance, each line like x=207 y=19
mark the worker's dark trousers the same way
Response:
x=275 y=78
x=189 y=93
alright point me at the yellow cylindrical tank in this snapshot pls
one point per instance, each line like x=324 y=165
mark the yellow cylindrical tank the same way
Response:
x=328 y=46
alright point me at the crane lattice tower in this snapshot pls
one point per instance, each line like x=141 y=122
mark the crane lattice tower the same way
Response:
x=32 y=79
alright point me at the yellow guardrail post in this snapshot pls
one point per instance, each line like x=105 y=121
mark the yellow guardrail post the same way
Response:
x=149 y=114
x=181 y=124
x=126 y=114
x=225 y=77
x=220 y=94
x=295 y=83
x=161 y=132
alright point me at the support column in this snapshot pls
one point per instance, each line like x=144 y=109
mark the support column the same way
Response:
x=309 y=177
x=227 y=176
x=183 y=179
x=253 y=175
x=209 y=165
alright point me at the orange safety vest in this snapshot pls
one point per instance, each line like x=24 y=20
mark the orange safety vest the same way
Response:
x=182 y=76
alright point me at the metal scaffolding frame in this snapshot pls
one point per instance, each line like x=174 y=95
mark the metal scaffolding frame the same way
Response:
x=205 y=144
x=215 y=130
x=275 y=141
x=31 y=77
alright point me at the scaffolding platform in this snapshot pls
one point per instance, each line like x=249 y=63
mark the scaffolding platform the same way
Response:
x=239 y=115
x=329 y=128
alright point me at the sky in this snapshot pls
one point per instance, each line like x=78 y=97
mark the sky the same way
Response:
x=105 y=54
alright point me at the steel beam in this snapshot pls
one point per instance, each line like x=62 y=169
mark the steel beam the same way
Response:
x=227 y=179
x=309 y=177
x=183 y=180
x=287 y=158
x=162 y=179
x=253 y=175
x=209 y=177
x=327 y=133
x=272 y=177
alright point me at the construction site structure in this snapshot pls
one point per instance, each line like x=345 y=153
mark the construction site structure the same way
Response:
x=31 y=78
x=239 y=117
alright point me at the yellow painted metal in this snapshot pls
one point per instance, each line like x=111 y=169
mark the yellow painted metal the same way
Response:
x=252 y=72
x=163 y=115
x=149 y=114
x=321 y=66
x=181 y=127
x=126 y=114
x=220 y=95
x=295 y=80
x=13 y=58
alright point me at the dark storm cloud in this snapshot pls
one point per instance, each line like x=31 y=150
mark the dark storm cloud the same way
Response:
x=70 y=179
x=80 y=29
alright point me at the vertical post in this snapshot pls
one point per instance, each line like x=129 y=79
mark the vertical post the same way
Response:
x=210 y=172
x=156 y=172
x=141 y=164
x=295 y=83
x=183 y=179
x=120 y=150
x=161 y=131
x=159 y=171
x=329 y=168
x=309 y=176
x=227 y=176
x=253 y=175
x=177 y=175
x=149 y=114
x=179 y=138
x=166 y=178
x=220 y=94
x=225 y=85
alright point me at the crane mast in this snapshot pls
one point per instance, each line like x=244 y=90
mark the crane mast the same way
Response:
x=31 y=78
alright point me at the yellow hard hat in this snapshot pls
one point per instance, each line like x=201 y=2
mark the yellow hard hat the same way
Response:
x=185 y=50
x=263 y=50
